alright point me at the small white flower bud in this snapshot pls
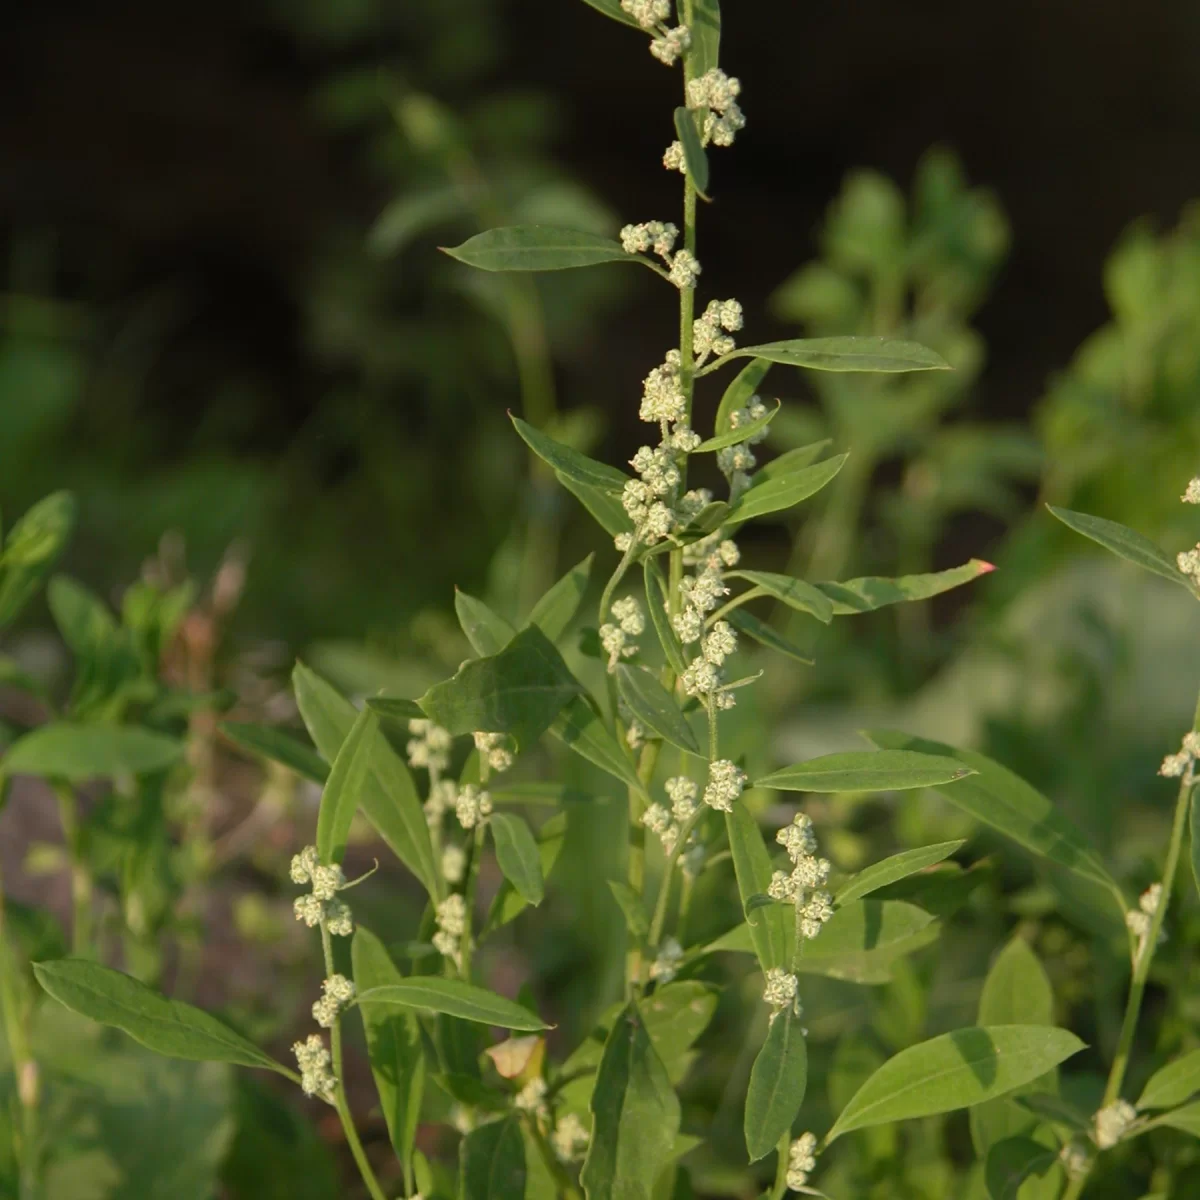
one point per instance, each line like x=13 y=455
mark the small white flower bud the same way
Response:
x=1110 y=1124
x=781 y=991
x=673 y=158
x=665 y=967
x=1192 y=495
x=725 y=783
x=570 y=1138
x=802 y=1160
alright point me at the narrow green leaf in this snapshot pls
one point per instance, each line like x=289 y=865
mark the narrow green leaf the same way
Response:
x=165 y=1026
x=1173 y=1084
x=266 y=741
x=792 y=460
x=694 y=159
x=1124 y=543
x=604 y=506
x=509 y=903
x=613 y=9
x=393 y=1044
x=782 y=491
x=1012 y=1161
x=517 y=854
x=580 y=728
x=898 y=866
x=862 y=942
x=770 y=928
x=1186 y=1119
x=343 y=791
x=62 y=750
x=492 y=1162
x=397 y=708
x=876 y=591
x=739 y=393
x=766 y=635
x=632 y=908
x=867 y=771
x=1194 y=836
x=656 y=602
x=486 y=630
x=732 y=437
x=456 y=999
x=875 y=354
x=636 y=1115
x=555 y=610
x=777 y=1083
x=31 y=549
x=795 y=593
x=1054 y=1110
x=539 y=248
x=571 y=464
x=655 y=707
x=705 y=50
x=955 y=1070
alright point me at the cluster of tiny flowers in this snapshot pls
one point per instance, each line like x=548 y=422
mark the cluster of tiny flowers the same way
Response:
x=429 y=747
x=1192 y=495
x=666 y=965
x=660 y=236
x=532 y=1097
x=737 y=461
x=648 y=13
x=336 y=992
x=1109 y=1124
x=494 y=748
x=1139 y=920
x=717 y=92
x=1075 y=1158
x=313 y=1060
x=685 y=270
x=802 y=1160
x=725 y=783
x=782 y=992
x=451 y=925
x=702 y=592
x=321 y=904
x=472 y=806
x=682 y=793
x=442 y=796
x=454 y=863
x=1175 y=766
x=703 y=676
x=671 y=45
x=804 y=886
x=617 y=639
x=570 y=1138
x=707 y=335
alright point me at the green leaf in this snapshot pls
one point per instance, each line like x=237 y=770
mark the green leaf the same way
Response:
x=898 y=866
x=632 y=908
x=706 y=36
x=955 y=1070
x=862 y=942
x=1012 y=1161
x=568 y=461
x=343 y=791
x=393 y=1044
x=389 y=799
x=782 y=491
x=62 y=750
x=509 y=903
x=792 y=460
x=539 y=248
x=579 y=727
x=655 y=707
x=876 y=354
x=656 y=602
x=517 y=854
x=777 y=1082
x=1186 y=1119
x=456 y=999
x=554 y=611
x=396 y=708
x=876 y=591
x=636 y=1115
x=486 y=630
x=739 y=434
x=518 y=691
x=739 y=393
x=795 y=593
x=867 y=771
x=1173 y=1084
x=1194 y=836
x=273 y=744
x=1003 y=800
x=694 y=158
x=31 y=549
x=612 y=8
x=770 y=928
x=492 y=1162
x=1053 y=1110
x=765 y=635
x=165 y=1026
x=1124 y=543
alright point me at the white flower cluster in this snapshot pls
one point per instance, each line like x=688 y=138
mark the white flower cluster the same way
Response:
x=532 y=1097
x=1192 y=495
x=665 y=967
x=321 y=904
x=472 y=806
x=443 y=796
x=1110 y=1124
x=313 y=1060
x=682 y=793
x=570 y=1138
x=782 y=992
x=429 y=747
x=707 y=335
x=718 y=93
x=737 y=461
x=725 y=783
x=659 y=236
x=617 y=639
x=336 y=992
x=1177 y=766
x=451 y=925
x=703 y=676
x=494 y=748
x=454 y=863
x=648 y=13
x=670 y=46
x=702 y=592
x=1139 y=920
x=1189 y=563
x=805 y=885
x=802 y=1160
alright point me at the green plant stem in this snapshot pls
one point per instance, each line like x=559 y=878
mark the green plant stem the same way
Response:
x=339 y=1094
x=81 y=877
x=468 y=944
x=664 y=891
x=781 y=1167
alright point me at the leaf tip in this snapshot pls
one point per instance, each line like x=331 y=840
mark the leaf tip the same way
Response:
x=982 y=567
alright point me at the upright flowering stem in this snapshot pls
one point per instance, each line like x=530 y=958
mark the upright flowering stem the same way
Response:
x=81 y=878
x=468 y=942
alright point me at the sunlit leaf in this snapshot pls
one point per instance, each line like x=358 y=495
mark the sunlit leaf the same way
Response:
x=875 y=591
x=898 y=866
x=539 y=248
x=1124 y=543
x=509 y=903
x=739 y=393
x=862 y=941
x=795 y=593
x=555 y=610
x=874 y=354
x=1173 y=1084
x=486 y=630
x=455 y=998
x=656 y=602
x=777 y=1083
x=867 y=771
x=517 y=854
x=344 y=788
x=782 y=491
x=612 y=8
x=655 y=707
x=581 y=728
x=770 y=928
x=766 y=635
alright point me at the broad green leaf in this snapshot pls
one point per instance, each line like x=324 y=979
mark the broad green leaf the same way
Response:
x=509 y=903
x=777 y=1082
x=655 y=707
x=867 y=771
x=862 y=941
x=898 y=866
x=656 y=602
x=1124 y=543
x=739 y=393
x=581 y=728
x=31 y=549
x=397 y=708
x=782 y=491
x=555 y=610
x=268 y=742
x=694 y=159
x=632 y=908
x=393 y=1044
x=344 y=788
x=955 y=1070
x=539 y=248
x=1173 y=1084
x=876 y=591
x=732 y=437
x=875 y=354
x=165 y=1026
x=1186 y=1119
x=570 y=462
x=62 y=750
x=706 y=36
x=765 y=635
x=1003 y=800
x=389 y=799
x=795 y=593
x=770 y=928
x=491 y=1162
x=636 y=1115
x=518 y=691
x=612 y=8
x=456 y=999
x=486 y=630
x=517 y=854
x=1012 y=1161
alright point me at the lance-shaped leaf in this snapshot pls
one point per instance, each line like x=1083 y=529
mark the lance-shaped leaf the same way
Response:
x=706 y=36
x=731 y=437
x=1173 y=1084
x=491 y=1161
x=509 y=903
x=739 y=393
x=695 y=161
x=393 y=1044
x=791 y=460
x=770 y=928
x=554 y=611
x=539 y=248
x=63 y=750
x=875 y=354
x=777 y=1082
x=612 y=8
x=266 y=741
x=580 y=727
x=165 y=1026
x=570 y=462
x=635 y=1115
x=795 y=593
x=765 y=635
x=1185 y=1119
x=517 y=854
x=782 y=491
x=1124 y=543
x=656 y=602
x=898 y=866
x=862 y=942
x=455 y=998
x=867 y=771
x=396 y=708
x=632 y=907
x=955 y=1070
x=655 y=707
x=876 y=591
x=31 y=549
x=1003 y=800
x=1014 y=1160
x=343 y=791
x=519 y=691
x=486 y=630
